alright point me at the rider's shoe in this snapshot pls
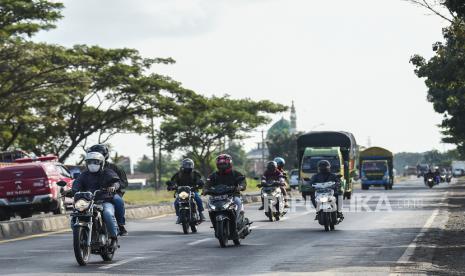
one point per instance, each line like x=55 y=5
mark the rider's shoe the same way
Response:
x=202 y=217
x=178 y=220
x=340 y=216
x=316 y=217
x=122 y=230
x=286 y=204
x=114 y=243
x=261 y=208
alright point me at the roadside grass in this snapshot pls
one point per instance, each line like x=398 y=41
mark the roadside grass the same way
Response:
x=150 y=196
x=147 y=196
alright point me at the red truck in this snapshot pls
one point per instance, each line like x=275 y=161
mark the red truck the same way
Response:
x=28 y=186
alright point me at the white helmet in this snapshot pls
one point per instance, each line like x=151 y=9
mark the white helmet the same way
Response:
x=95 y=161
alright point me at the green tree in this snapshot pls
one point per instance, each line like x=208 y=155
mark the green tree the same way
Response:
x=144 y=165
x=238 y=154
x=202 y=123
x=27 y=17
x=444 y=73
x=284 y=144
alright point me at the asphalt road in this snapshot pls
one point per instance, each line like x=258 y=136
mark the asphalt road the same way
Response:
x=377 y=237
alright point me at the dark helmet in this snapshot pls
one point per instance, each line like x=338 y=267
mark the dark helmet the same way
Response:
x=271 y=166
x=324 y=166
x=280 y=162
x=103 y=149
x=187 y=165
x=224 y=162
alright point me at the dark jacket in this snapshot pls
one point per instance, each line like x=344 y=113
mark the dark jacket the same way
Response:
x=90 y=182
x=121 y=175
x=327 y=177
x=232 y=179
x=193 y=179
x=276 y=175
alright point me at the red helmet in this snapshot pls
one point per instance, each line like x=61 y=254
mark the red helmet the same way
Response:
x=224 y=162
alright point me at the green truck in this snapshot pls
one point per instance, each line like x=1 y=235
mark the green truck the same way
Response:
x=376 y=168
x=338 y=147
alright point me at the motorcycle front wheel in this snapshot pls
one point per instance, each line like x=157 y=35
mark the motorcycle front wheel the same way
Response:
x=185 y=228
x=327 y=220
x=81 y=250
x=222 y=233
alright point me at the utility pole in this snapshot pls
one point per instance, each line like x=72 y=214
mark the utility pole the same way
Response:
x=263 y=150
x=160 y=168
x=154 y=154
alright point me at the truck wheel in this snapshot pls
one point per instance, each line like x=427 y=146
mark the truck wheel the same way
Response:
x=347 y=195
x=25 y=214
x=386 y=187
x=4 y=214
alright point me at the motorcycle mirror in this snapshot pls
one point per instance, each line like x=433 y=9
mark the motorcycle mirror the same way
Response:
x=62 y=183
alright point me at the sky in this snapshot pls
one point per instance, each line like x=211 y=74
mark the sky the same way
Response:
x=344 y=63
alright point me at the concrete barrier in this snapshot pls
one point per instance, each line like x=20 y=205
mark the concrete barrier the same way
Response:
x=26 y=227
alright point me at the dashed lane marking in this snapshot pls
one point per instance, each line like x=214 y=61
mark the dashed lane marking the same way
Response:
x=200 y=241
x=122 y=262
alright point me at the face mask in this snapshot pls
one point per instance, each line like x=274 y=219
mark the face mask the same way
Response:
x=93 y=168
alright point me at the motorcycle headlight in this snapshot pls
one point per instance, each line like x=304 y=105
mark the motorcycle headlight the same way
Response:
x=81 y=205
x=228 y=205
x=323 y=199
x=183 y=195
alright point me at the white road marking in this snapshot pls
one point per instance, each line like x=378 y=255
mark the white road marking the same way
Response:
x=121 y=262
x=157 y=217
x=200 y=241
x=409 y=251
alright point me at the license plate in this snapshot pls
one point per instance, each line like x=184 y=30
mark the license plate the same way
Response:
x=219 y=197
x=19 y=199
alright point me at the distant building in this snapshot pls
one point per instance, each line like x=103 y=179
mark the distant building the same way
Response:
x=256 y=159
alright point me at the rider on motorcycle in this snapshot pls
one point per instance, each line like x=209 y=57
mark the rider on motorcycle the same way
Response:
x=281 y=162
x=118 y=201
x=226 y=175
x=97 y=177
x=272 y=173
x=187 y=176
x=325 y=175
x=429 y=174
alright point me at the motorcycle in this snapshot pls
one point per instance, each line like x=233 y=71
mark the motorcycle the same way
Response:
x=430 y=182
x=188 y=214
x=229 y=224
x=326 y=206
x=273 y=200
x=448 y=177
x=90 y=235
